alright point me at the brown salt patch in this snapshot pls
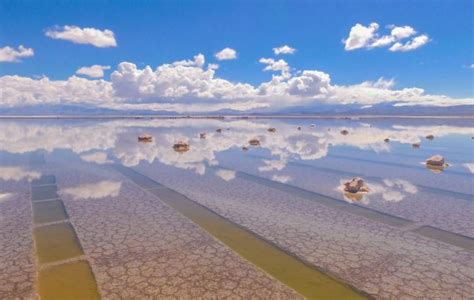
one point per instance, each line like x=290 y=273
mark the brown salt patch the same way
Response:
x=181 y=147
x=254 y=142
x=145 y=138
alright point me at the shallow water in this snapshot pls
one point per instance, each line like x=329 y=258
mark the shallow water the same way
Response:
x=410 y=235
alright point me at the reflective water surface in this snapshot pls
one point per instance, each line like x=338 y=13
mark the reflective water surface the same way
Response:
x=129 y=211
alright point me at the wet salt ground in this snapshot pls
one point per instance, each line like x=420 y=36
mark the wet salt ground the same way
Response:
x=385 y=261
x=381 y=260
x=17 y=264
x=139 y=247
x=422 y=205
x=419 y=175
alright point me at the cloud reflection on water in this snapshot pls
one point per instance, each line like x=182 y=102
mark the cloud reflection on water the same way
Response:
x=226 y=175
x=390 y=190
x=102 y=189
x=96 y=157
x=17 y=174
x=92 y=141
x=5 y=196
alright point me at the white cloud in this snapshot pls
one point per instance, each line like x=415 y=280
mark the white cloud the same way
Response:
x=25 y=91
x=367 y=37
x=9 y=54
x=401 y=32
x=360 y=36
x=284 y=50
x=275 y=65
x=213 y=66
x=95 y=71
x=415 y=43
x=472 y=66
x=226 y=54
x=309 y=85
x=96 y=37
x=190 y=86
x=198 y=61
x=380 y=91
x=182 y=81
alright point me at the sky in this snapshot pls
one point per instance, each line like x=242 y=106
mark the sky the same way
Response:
x=211 y=55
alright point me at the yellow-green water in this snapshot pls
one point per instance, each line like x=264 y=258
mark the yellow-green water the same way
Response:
x=56 y=242
x=67 y=282
x=304 y=279
x=49 y=211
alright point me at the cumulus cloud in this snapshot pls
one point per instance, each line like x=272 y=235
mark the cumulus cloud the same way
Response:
x=401 y=32
x=415 y=43
x=284 y=50
x=275 y=65
x=226 y=54
x=95 y=71
x=25 y=91
x=182 y=81
x=9 y=54
x=307 y=85
x=192 y=86
x=198 y=61
x=360 y=36
x=367 y=37
x=380 y=91
x=92 y=36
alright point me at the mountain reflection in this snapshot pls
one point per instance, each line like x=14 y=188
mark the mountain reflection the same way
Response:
x=116 y=141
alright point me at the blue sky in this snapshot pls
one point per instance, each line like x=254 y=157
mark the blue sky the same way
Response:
x=158 y=32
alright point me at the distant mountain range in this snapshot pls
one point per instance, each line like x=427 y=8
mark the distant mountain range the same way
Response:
x=382 y=109
x=320 y=109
